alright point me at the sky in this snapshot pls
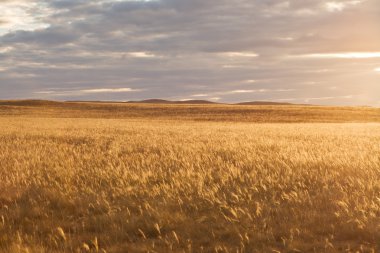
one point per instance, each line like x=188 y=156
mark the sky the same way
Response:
x=297 y=51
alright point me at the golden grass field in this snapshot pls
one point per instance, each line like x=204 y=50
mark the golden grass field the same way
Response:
x=179 y=178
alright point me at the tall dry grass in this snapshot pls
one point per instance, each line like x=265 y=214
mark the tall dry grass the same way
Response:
x=213 y=112
x=138 y=185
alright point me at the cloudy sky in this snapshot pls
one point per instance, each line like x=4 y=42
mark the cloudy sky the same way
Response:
x=298 y=51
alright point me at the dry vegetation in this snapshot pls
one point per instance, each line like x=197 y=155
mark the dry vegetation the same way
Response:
x=142 y=180
x=218 y=113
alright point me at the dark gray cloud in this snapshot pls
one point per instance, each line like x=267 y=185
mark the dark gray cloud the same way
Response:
x=180 y=49
x=44 y=37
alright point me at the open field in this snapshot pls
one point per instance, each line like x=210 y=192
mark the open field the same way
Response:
x=219 y=113
x=177 y=178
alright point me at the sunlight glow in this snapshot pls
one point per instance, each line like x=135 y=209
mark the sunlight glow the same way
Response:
x=241 y=54
x=107 y=90
x=340 y=6
x=241 y=91
x=334 y=6
x=16 y=15
x=307 y=100
x=5 y=49
x=141 y=55
x=250 y=81
x=200 y=95
x=350 y=55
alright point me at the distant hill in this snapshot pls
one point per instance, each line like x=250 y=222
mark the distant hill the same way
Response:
x=151 y=101
x=162 y=101
x=263 y=103
x=29 y=102
x=36 y=102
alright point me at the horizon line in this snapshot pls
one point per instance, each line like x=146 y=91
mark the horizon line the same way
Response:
x=200 y=101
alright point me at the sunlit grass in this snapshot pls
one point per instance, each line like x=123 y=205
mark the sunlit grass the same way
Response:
x=141 y=185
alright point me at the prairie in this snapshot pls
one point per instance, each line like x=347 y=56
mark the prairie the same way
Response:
x=91 y=177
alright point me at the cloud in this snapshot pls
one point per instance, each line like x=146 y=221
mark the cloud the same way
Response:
x=223 y=94
x=340 y=6
x=240 y=54
x=142 y=55
x=228 y=49
x=86 y=91
x=49 y=36
x=5 y=49
x=200 y=95
x=21 y=15
x=107 y=90
x=307 y=100
x=3 y=22
x=346 y=55
x=250 y=81
x=244 y=91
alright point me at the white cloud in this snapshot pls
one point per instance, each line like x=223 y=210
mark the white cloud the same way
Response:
x=142 y=55
x=286 y=38
x=107 y=90
x=22 y=15
x=200 y=95
x=86 y=91
x=335 y=6
x=340 y=6
x=347 y=55
x=240 y=54
x=238 y=92
x=44 y=92
x=307 y=100
x=243 y=91
x=5 y=49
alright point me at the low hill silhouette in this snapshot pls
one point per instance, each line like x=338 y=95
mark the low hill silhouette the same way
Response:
x=163 y=101
x=263 y=103
x=29 y=102
x=39 y=102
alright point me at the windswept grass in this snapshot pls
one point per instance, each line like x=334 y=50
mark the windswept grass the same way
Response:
x=143 y=185
x=213 y=112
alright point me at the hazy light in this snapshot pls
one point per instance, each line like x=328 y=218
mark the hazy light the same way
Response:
x=286 y=38
x=5 y=49
x=241 y=54
x=142 y=55
x=250 y=81
x=44 y=92
x=107 y=90
x=328 y=98
x=339 y=6
x=352 y=55
x=16 y=15
x=334 y=6
x=245 y=91
x=200 y=95
x=377 y=69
